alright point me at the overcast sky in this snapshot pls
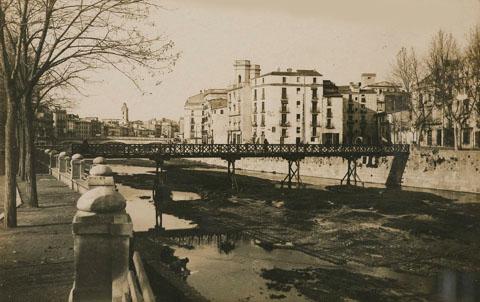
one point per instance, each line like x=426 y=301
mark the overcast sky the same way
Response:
x=340 y=39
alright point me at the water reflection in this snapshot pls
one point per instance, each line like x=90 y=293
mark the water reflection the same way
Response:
x=228 y=267
x=141 y=208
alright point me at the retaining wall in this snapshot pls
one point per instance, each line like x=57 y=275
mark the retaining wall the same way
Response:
x=426 y=168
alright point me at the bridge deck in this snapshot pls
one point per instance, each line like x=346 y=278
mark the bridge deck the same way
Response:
x=236 y=150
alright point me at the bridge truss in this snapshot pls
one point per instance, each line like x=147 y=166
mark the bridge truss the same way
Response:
x=293 y=153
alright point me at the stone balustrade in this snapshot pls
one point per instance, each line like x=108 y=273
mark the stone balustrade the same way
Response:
x=102 y=231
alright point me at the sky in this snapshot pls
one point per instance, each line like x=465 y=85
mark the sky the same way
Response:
x=340 y=39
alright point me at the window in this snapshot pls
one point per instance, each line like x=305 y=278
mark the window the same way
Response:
x=263 y=120
x=273 y=129
x=284 y=132
x=191 y=113
x=263 y=106
x=363 y=99
x=329 y=123
x=314 y=80
x=284 y=92
x=329 y=102
x=298 y=103
x=255 y=94
x=263 y=93
x=314 y=132
x=263 y=80
x=298 y=79
x=466 y=136
x=284 y=79
x=349 y=97
x=329 y=112
x=314 y=93
x=239 y=78
x=255 y=81
x=314 y=120
x=298 y=90
x=284 y=119
x=298 y=117
x=298 y=129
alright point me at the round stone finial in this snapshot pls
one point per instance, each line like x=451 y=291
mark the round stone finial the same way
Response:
x=101 y=200
x=77 y=156
x=62 y=154
x=99 y=160
x=47 y=151
x=101 y=170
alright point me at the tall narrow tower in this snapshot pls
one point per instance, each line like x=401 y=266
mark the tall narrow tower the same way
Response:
x=124 y=114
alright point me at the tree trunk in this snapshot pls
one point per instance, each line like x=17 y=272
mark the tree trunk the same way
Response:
x=21 y=149
x=10 y=206
x=455 y=136
x=30 y=173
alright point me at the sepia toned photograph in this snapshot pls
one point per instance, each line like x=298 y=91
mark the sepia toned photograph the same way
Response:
x=243 y=151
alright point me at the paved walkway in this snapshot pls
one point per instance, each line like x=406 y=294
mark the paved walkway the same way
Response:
x=36 y=258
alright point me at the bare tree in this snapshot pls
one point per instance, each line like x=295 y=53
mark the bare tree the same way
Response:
x=409 y=72
x=444 y=64
x=45 y=43
x=472 y=68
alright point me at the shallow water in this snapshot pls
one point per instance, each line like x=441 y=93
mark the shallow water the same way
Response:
x=141 y=209
x=236 y=275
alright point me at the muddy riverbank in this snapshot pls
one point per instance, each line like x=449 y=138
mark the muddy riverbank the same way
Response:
x=378 y=244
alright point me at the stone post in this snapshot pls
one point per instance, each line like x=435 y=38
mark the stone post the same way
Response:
x=101 y=175
x=77 y=166
x=99 y=161
x=60 y=162
x=101 y=230
x=53 y=160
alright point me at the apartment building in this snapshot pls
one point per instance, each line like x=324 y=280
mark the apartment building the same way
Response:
x=215 y=121
x=240 y=102
x=291 y=107
x=361 y=102
x=193 y=114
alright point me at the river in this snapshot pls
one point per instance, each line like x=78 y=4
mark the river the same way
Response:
x=229 y=268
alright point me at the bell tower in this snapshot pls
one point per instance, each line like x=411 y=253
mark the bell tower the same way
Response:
x=124 y=114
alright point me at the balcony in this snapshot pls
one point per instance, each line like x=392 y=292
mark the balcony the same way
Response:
x=330 y=126
x=284 y=98
x=284 y=124
x=314 y=110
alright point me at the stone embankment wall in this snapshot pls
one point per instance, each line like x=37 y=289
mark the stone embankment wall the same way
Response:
x=426 y=168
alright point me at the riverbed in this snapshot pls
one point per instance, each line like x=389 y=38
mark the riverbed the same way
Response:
x=414 y=245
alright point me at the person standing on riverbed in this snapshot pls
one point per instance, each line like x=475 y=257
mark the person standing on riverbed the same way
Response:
x=265 y=145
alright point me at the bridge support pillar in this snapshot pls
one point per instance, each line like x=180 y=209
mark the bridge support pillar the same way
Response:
x=351 y=175
x=293 y=173
x=159 y=191
x=231 y=171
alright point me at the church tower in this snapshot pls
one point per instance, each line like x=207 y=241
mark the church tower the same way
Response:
x=124 y=114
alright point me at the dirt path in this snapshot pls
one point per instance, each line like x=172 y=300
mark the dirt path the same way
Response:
x=36 y=258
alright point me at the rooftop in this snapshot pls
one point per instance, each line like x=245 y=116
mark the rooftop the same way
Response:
x=299 y=72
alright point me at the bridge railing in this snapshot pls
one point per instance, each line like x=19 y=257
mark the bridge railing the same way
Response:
x=247 y=150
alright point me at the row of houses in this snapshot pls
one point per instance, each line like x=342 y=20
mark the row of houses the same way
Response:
x=291 y=106
x=58 y=124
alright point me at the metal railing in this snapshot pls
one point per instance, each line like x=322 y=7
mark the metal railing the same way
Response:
x=240 y=150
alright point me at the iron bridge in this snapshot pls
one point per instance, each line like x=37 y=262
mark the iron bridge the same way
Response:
x=226 y=151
